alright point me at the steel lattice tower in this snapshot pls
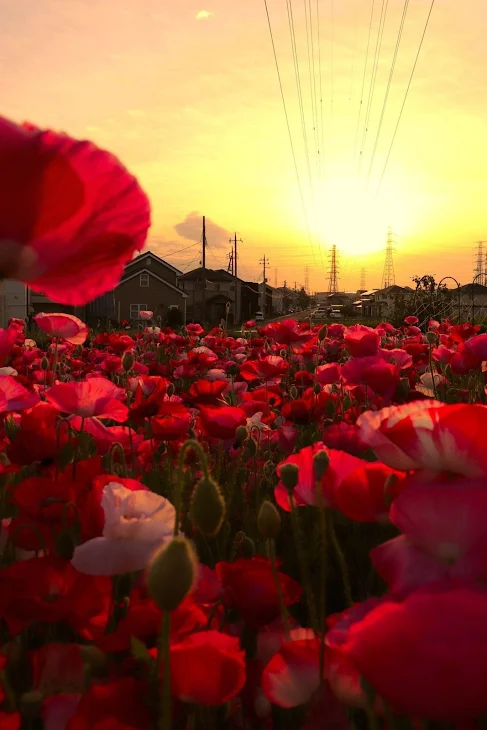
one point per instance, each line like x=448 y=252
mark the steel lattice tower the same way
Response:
x=362 y=286
x=306 y=280
x=389 y=277
x=333 y=271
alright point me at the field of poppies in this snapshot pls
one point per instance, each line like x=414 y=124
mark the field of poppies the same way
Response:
x=282 y=530
x=278 y=530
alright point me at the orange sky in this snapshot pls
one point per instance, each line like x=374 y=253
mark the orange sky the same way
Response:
x=192 y=106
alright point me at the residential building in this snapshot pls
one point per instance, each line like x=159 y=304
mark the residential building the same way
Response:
x=219 y=294
x=13 y=301
x=149 y=283
x=382 y=303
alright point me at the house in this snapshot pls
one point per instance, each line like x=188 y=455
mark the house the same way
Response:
x=381 y=303
x=149 y=283
x=469 y=303
x=13 y=301
x=211 y=295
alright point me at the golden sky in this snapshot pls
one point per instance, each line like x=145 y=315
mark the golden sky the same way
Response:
x=185 y=92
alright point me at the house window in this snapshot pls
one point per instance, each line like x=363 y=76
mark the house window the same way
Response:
x=173 y=306
x=144 y=280
x=136 y=308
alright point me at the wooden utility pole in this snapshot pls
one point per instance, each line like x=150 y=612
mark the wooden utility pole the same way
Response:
x=236 y=308
x=264 y=262
x=204 y=272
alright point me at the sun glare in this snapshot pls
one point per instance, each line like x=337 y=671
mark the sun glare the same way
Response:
x=356 y=220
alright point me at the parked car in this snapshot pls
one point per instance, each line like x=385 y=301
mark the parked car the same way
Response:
x=335 y=314
x=259 y=316
x=319 y=313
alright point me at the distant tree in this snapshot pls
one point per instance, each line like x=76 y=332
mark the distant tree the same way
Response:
x=303 y=299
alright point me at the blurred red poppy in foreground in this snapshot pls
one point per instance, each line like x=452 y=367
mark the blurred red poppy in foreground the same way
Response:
x=71 y=216
x=65 y=326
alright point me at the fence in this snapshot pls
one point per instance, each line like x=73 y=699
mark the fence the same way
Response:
x=449 y=299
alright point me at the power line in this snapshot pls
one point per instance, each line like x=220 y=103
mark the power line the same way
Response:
x=386 y=97
x=363 y=78
x=287 y=123
x=180 y=250
x=406 y=94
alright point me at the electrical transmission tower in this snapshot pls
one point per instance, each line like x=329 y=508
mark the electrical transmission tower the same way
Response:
x=275 y=278
x=363 y=285
x=306 y=280
x=480 y=273
x=389 y=277
x=333 y=271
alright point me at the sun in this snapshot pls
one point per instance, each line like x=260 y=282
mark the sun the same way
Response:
x=354 y=220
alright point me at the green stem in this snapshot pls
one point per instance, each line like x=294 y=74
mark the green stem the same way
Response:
x=165 y=711
x=341 y=561
x=323 y=531
x=275 y=575
x=303 y=566
x=54 y=365
x=435 y=392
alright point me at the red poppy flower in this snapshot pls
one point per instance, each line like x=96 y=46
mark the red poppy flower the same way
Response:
x=64 y=326
x=216 y=668
x=362 y=496
x=10 y=720
x=328 y=374
x=266 y=369
x=206 y=392
x=149 y=396
x=382 y=377
x=288 y=332
x=94 y=397
x=362 y=341
x=249 y=586
x=121 y=343
x=71 y=215
x=222 y=423
x=8 y=338
x=14 y=397
x=293 y=674
x=428 y=435
x=119 y=704
x=427 y=656
x=172 y=421
x=340 y=466
x=48 y=590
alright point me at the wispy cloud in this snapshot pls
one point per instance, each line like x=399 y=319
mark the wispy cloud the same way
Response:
x=191 y=228
x=203 y=15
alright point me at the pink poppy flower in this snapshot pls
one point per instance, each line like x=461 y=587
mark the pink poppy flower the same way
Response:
x=292 y=676
x=362 y=341
x=328 y=374
x=428 y=435
x=71 y=215
x=136 y=524
x=341 y=464
x=65 y=326
x=427 y=656
x=444 y=536
x=14 y=397
x=94 y=397
x=146 y=314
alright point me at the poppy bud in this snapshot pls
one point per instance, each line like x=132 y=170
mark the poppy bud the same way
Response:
x=320 y=462
x=431 y=338
x=269 y=469
x=250 y=448
x=128 y=361
x=283 y=353
x=289 y=475
x=268 y=521
x=241 y=434
x=246 y=548
x=30 y=704
x=172 y=573
x=44 y=363
x=207 y=509
x=170 y=390
x=403 y=388
x=293 y=392
x=316 y=388
x=322 y=333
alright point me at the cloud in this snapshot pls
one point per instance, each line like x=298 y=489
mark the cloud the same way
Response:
x=192 y=227
x=203 y=15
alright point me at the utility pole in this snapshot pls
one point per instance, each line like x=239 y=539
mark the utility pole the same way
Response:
x=264 y=262
x=306 y=279
x=362 y=286
x=236 y=308
x=204 y=271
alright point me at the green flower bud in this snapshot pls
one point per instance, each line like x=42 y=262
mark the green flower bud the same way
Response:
x=431 y=338
x=289 y=475
x=241 y=434
x=172 y=573
x=128 y=361
x=293 y=392
x=316 y=388
x=44 y=363
x=320 y=462
x=323 y=333
x=250 y=448
x=246 y=548
x=207 y=509
x=170 y=390
x=268 y=521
